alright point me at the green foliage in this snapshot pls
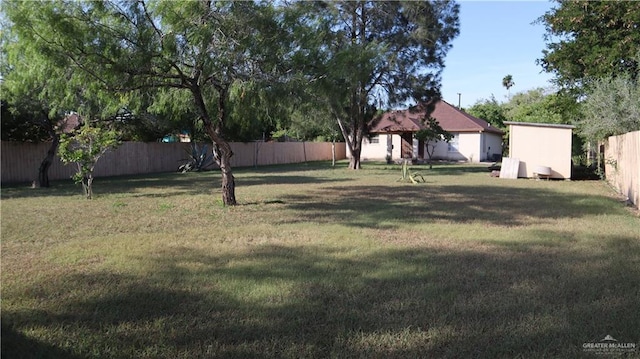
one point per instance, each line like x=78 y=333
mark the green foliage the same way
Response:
x=612 y=107
x=541 y=106
x=367 y=53
x=84 y=148
x=431 y=135
x=132 y=48
x=408 y=175
x=489 y=110
x=591 y=39
x=433 y=132
x=21 y=126
x=507 y=82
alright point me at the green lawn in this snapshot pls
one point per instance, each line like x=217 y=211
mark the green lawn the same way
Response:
x=318 y=262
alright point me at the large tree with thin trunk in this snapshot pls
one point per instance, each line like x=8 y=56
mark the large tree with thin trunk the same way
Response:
x=130 y=47
x=365 y=53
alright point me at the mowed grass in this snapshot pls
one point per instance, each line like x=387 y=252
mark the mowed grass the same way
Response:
x=318 y=262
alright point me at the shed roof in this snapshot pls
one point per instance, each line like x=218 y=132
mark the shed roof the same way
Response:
x=449 y=117
x=535 y=124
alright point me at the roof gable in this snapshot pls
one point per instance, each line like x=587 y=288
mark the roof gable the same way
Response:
x=449 y=117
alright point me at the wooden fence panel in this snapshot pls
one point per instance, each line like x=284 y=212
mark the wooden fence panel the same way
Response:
x=622 y=165
x=20 y=161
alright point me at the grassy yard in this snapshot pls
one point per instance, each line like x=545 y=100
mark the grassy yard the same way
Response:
x=318 y=262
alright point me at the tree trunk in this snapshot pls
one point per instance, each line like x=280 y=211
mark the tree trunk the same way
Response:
x=221 y=147
x=430 y=154
x=228 y=182
x=333 y=153
x=223 y=158
x=43 y=171
x=87 y=185
x=354 y=162
x=354 y=144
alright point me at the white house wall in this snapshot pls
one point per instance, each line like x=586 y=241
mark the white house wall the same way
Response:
x=473 y=147
x=378 y=151
x=492 y=146
x=469 y=148
x=440 y=152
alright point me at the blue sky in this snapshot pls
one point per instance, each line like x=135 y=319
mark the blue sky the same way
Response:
x=496 y=39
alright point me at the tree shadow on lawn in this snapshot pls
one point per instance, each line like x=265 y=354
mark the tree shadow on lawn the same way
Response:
x=191 y=183
x=391 y=206
x=294 y=167
x=315 y=302
x=158 y=185
x=438 y=168
x=16 y=345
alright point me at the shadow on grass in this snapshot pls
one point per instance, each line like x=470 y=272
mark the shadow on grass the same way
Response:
x=174 y=184
x=18 y=346
x=302 y=166
x=315 y=302
x=164 y=184
x=389 y=206
x=438 y=168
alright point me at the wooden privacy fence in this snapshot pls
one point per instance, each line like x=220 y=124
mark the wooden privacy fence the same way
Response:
x=622 y=165
x=20 y=161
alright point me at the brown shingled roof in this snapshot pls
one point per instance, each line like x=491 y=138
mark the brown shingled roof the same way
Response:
x=450 y=118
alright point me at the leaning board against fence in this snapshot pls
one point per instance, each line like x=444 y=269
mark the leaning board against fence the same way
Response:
x=20 y=161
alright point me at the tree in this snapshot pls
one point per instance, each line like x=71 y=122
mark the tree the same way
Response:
x=590 y=39
x=612 y=107
x=489 y=110
x=542 y=106
x=431 y=135
x=507 y=82
x=84 y=148
x=40 y=86
x=201 y=48
x=367 y=51
x=34 y=92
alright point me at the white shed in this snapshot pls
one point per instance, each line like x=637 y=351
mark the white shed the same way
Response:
x=540 y=146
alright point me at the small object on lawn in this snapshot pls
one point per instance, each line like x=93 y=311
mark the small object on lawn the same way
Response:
x=542 y=172
x=495 y=173
x=510 y=167
x=408 y=176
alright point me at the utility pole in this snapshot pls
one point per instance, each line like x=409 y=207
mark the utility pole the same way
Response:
x=459 y=97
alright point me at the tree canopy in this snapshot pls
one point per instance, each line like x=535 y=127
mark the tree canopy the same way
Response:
x=612 y=107
x=489 y=110
x=540 y=105
x=590 y=39
x=135 y=49
x=366 y=53
x=235 y=69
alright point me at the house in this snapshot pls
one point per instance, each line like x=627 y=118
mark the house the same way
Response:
x=542 y=149
x=392 y=135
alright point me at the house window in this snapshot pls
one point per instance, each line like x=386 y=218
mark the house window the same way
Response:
x=374 y=139
x=454 y=144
